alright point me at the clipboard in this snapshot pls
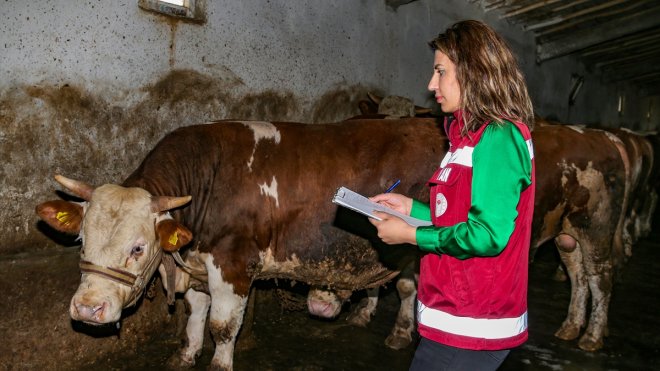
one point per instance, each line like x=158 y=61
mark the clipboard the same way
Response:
x=356 y=202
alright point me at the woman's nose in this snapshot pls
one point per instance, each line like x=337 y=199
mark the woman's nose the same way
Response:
x=433 y=83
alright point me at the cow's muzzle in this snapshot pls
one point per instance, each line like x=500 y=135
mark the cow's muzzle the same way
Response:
x=137 y=283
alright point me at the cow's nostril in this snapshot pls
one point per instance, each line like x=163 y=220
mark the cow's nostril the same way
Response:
x=90 y=313
x=99 y=311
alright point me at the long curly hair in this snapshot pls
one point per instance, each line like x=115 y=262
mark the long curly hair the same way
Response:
x=492 y=86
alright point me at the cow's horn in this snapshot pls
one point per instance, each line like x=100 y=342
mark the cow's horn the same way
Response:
x=374 y=98
x=164 y=203
x=80 y=189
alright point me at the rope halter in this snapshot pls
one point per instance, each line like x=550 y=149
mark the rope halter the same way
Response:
x=137 y=283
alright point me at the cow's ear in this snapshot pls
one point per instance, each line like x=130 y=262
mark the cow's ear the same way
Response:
x=62 y=215
x=172 y=235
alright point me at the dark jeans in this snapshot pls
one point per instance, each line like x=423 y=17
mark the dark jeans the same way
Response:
x=432 y=356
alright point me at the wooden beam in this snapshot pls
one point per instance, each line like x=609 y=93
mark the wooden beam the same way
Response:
x=636 y=41
x=566 y=17
x=589 y=17
x=654 y=51
x=569 y=5
x=607 y=31
x=546 y=23
x=528 y=8
x=488 y=6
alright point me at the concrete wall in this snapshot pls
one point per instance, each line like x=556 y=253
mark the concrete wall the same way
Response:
x=88 y=87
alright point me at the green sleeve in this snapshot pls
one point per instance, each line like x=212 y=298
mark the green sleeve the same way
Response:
x=501 y=169
x=420 y=210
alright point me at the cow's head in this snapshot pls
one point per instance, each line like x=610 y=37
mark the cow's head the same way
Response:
x=123 y=231
x=391 y=106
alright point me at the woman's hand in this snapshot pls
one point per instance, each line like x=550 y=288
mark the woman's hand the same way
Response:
x=394 y=201
x=393 y=230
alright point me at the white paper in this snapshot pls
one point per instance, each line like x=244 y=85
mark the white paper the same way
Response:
x=356 y=202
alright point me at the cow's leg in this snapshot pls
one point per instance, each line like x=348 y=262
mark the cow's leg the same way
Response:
x=361 y=315
x=226 y=317
x=629 y=233
x=599 y=275
x=198 y=303
x=570 y=252
x=647 y=213
x=401 y=335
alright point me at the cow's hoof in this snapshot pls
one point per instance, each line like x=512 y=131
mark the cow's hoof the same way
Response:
x=590 y=344
x=568 y=332
x=217 y=367
x=359 y=317
x=177 y=362
x=397 y=342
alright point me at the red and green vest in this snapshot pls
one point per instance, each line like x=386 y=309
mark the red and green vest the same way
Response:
x=473 y=280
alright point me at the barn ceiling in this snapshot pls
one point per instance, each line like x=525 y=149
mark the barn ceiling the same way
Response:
x=616 y=39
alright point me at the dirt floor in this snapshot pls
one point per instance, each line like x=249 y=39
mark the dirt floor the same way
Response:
x=291 y=340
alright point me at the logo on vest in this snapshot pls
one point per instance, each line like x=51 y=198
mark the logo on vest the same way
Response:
x=440 y=204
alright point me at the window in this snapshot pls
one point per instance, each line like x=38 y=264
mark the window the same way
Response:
x=191 y=10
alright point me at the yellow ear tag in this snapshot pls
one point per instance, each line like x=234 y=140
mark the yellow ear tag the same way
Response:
x=174 y=238
x=63 y=217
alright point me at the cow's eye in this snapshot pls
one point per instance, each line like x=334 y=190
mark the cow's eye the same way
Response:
x=137 y=251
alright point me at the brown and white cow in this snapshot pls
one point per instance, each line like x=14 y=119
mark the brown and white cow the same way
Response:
x=582 y=189
x=254 y=199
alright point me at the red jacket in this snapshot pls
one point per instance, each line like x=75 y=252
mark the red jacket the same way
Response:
x=479 y=302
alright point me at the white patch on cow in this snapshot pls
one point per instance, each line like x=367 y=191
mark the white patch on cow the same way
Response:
x=613 y=137
x=199 y=307
x=592 y=180
x=261 y=130
x=227 y=309
x=270 y=265
x=270 y=190
x=579 y=129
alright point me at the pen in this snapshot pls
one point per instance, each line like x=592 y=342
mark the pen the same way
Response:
x=393 y=186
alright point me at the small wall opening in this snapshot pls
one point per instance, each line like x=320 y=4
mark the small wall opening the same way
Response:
x=189 y=10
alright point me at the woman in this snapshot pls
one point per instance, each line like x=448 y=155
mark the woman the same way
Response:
x=472 y=295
